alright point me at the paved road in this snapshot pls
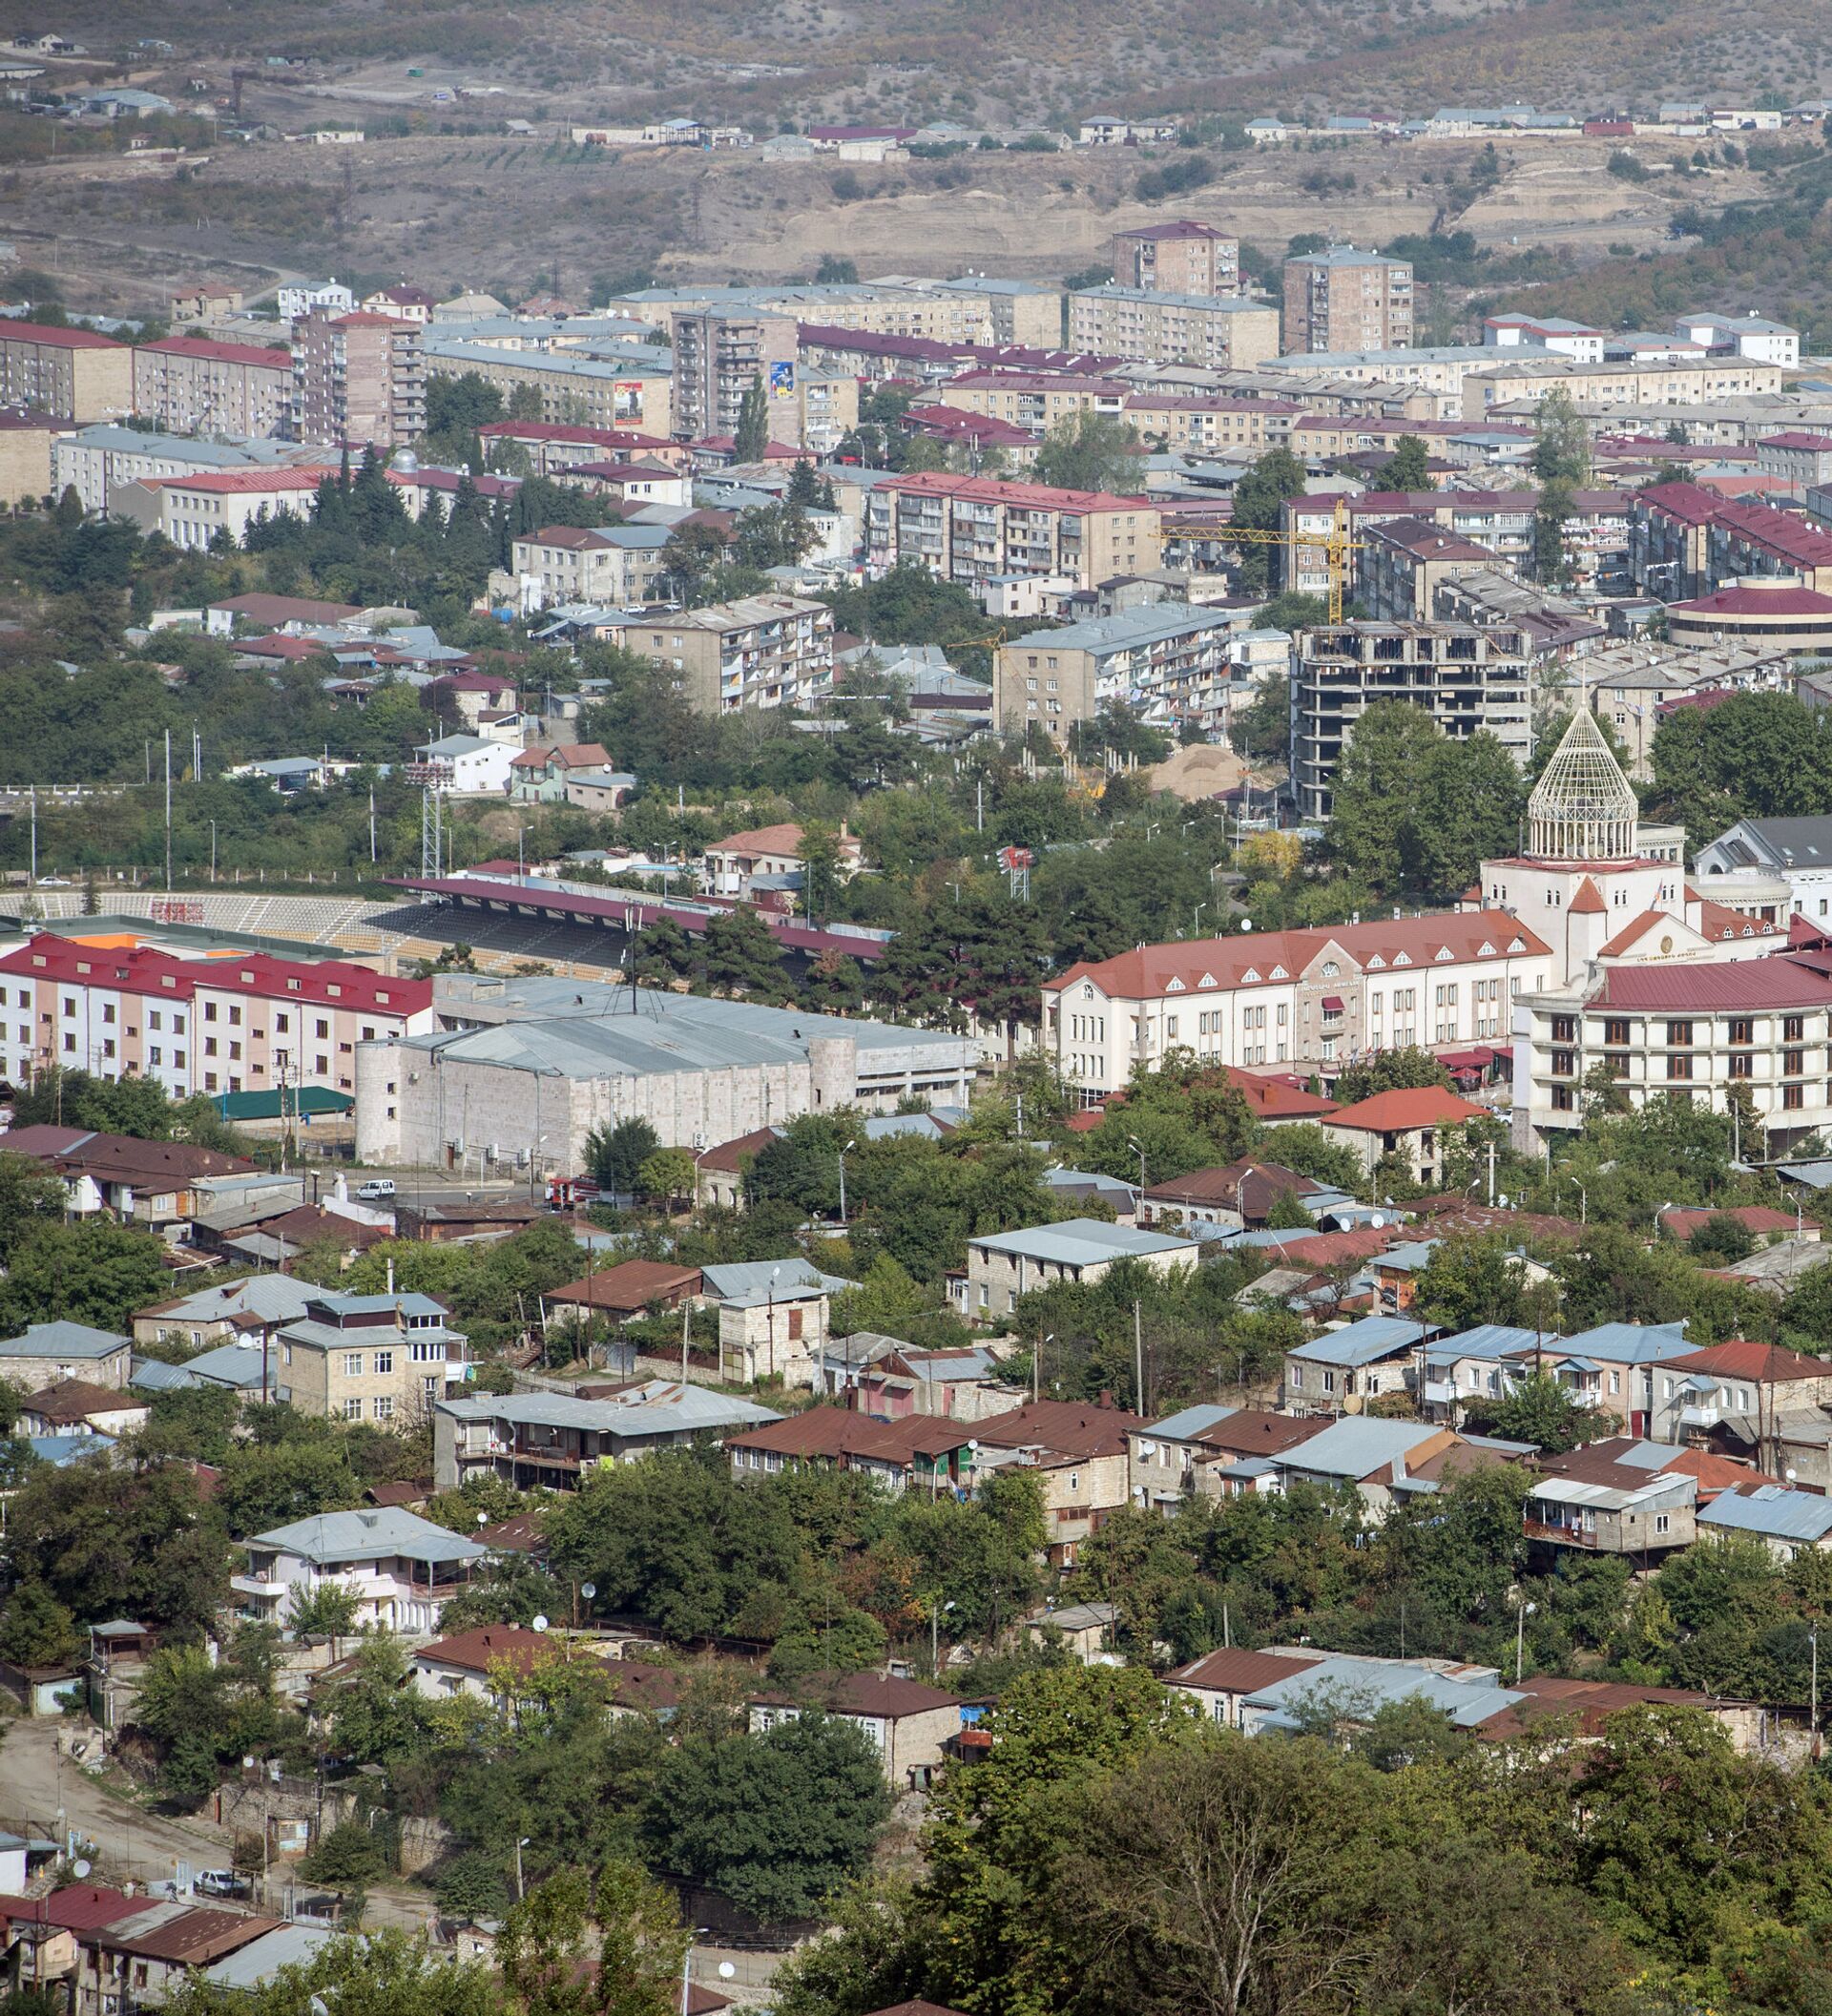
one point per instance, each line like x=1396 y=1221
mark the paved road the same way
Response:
x=35 y=1781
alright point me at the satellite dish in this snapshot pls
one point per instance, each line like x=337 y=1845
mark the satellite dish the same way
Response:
x=79 y=1869
x=540 y=1624
x=726 y=1970
x=1377 y=1221
x=587 y=1590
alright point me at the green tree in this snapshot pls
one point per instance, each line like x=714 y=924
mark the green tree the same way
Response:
x=1257 y=498
x=614 y=1156
x=92 y=1273
x=778 y=1823
x=35 y=1629
x=666 y=1177
x=1403 y=1070
x=549 y=1967
x=1092 y=451
x=1410 y=465
x=1720 y=1240
x=1538 y=1409
x=752 y=438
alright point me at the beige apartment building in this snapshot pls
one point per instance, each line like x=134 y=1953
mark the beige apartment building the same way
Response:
x=194 y=510
x=967 y=528
x=576 y=391
x=1194 y=421
x=1035 y=401
x=719 y=355
x=67 y=374
x=1183 y=258
x=26 y=460
x=764 y=651
x=1220 y=332
x=1345 y=300
x=191 y=385
x=385 y=1359
x=358 y=378
x=1684 y=381
x=1162 y=655
x=948 y=312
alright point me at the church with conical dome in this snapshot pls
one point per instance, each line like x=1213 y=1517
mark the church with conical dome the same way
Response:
x=1589 y=882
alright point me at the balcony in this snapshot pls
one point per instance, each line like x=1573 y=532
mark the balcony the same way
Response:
x=1558 y=1534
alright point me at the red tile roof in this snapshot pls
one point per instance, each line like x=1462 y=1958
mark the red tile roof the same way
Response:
x=36 y=332
x=236 y=483
x=1072 y=1428
x=1587 y=901
x=1758 y=601
x=1759 y=1218
x=1742 y=1358
x=570 y=756
x=1423 y=1106
x=1256 y=1431
x=521 y=1651
x=78 y=1907
x=864 y=1694
x=1411 y=941
x=839 y=1432
x=260 y=607
x=1239 y=1671
x=210 y=350
x=630 y=1285
x=730 y=1156
x=1779 y=980
x=1020 y=496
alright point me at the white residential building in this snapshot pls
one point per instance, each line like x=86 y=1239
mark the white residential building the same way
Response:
x=402 y=1570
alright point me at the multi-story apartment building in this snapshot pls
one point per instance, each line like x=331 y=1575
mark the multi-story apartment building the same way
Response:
x=192 y=384
x=896 y=305
x=302 y=297
x=1165 y=659
x=584 y=391
x=1035 y=401
x=967 y=528
x=1345 y=300
x=94 y=461
x=67 y=374
x=380 y=1357
x=1685 y=541
x=719 y=355
x=762 y=651
x=28 y=446
x=1018 y=311
x=399 y=1568
x=1402 y=562
x=1302 y=997
x=1469 y=680
x=1596 y=531
x=1183 y=258
x=1748 y=335
x=1196 y=421
x=194 y=510
x=615 y=566
x=251 y=1023
x=1800 y=456
x=359 y=379
x=1612 y=385
x=1218 y=331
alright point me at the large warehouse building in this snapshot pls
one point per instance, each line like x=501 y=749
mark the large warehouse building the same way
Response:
x=521 y=1070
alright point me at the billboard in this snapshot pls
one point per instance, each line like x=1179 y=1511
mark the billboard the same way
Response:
x=783 y=381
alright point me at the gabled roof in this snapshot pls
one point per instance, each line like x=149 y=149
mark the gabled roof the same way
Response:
x=1742 y=1358
x=494 y=1645
x=368 y=1536
x=1239 y=1671
x=1771 y=1510
x=1359 y=1445
x=1394 y=1111
x=1365 y=1343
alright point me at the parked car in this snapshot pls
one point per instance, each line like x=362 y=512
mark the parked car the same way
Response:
x=222 y=1882
x=376 y=1187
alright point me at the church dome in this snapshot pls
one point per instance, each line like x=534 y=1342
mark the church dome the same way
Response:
x=1583 y=808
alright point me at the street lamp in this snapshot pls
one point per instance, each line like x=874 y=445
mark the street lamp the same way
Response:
x=1132 y=1142
x=935 y=1609
x=844 y=1154
x=1583 y=1201
x=519 y=1846
x=1037 y=1364
x=1522 y=1611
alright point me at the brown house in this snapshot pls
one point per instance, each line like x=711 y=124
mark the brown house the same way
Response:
x=625 y=1290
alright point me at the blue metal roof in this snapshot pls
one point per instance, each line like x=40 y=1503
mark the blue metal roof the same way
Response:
x=1356 y=1445
x=1630 y=1343
x=1363 y=1342
x=1772 y=1511
x=1359 y=1687
x=1192 y=1421
x=1486 y=1340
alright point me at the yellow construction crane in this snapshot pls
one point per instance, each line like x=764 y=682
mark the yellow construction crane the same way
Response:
x=1336 y=546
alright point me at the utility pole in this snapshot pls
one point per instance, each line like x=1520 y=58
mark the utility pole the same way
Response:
x=167 y=812
x=1138 y=1356
x=35 y=834
x=371 y=826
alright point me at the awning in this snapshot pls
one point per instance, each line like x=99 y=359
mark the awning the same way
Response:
x=1477 y=1059
x=1332 y=1004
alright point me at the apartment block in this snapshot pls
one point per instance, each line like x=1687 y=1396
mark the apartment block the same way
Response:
x=1345 y=300
x=555 y=447
x=895 y=305
x=28 y=450
x=194 y=510
x=1401 y=564
x=1183 y=258
x=1200 y=421
x=359 y=379
x=1220 y=332
x=1164 y=659
x=190 y=385
x=248 y=1024
x=1469 y=680
x=1035 y=401
x=1018 y=311
x=1297 y=997
x=575 y=391
x=1755 y=1028
x=719 y=355
x=67 y=374
x=1685 y=541
x=96 y=460
x=1684 y=381
x=967 y=528
x=764 y=651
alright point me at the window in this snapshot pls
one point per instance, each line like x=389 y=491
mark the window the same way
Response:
x=1793 y=1027
x=385 y=1361
x=1561 y=1098
x=1678 y=1067
x=384 y=1407
x=1743 y=1029
x=352 y=1365
x=1564 y=1026
x=1793 y=1062
x=1296 y=1379
x=1741 y=1065
x=323 y=1028
x=353 y=1409
x=1662 y=1522
x=1679 y=1033
x=1793 y=1097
